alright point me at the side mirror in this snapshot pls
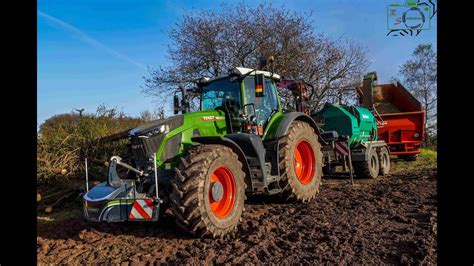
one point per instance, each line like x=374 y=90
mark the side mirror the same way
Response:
x=259 y=79
x=176 y=104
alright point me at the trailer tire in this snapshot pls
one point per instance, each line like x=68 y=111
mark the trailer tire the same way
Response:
x=368 y=169
x=384 y=161
x=208 y=193
x=301 y=161
x=408 y=157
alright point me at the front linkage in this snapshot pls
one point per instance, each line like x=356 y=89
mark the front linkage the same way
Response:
x=118 y=199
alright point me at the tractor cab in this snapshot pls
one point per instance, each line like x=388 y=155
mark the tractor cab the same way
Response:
x=248 y=98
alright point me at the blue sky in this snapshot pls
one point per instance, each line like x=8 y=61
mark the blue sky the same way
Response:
x=93 y=52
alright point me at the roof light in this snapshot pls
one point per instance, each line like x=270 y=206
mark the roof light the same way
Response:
x=203 y=80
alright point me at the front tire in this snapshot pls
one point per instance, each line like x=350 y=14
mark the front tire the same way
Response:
x=208 y=193
x=301 y=162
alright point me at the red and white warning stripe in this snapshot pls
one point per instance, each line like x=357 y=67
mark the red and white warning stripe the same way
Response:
x=142 y=209
x=342 y=148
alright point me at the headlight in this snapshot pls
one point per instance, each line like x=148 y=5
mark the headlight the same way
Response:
x=161 y=129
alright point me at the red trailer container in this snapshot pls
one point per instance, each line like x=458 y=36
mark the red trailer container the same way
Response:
x=400 y=116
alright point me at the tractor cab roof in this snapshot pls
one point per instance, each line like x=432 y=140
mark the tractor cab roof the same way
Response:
x=243 y=71
x=240 y=71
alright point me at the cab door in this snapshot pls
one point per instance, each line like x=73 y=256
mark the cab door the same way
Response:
x=265 y=106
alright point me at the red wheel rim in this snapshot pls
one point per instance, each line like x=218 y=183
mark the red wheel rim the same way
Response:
x=224 y=206
x=304 y=162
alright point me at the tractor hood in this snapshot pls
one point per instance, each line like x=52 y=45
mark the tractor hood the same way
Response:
x=146 y=139
x=157 y=126
x=166 y=138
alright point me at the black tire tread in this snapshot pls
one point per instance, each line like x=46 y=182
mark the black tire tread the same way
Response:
x=288 y=184
x=382 y=170
x=188 y=210
x=362 y=169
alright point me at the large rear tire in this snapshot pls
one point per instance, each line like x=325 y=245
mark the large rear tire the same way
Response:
x=208 y=193
x=368 y=169
x=301 y=162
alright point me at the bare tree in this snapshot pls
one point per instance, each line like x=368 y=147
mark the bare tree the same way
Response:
x=208 y=43
x=148 y=116
x=419 y=75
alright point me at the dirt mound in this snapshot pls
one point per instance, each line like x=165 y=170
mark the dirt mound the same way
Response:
x=387 y=220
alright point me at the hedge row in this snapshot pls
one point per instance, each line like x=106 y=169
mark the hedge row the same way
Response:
x=65 y=140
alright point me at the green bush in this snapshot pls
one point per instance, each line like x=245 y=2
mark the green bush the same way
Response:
x=65 y=140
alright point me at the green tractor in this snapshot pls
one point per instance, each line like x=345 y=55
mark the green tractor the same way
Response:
x=200 y=165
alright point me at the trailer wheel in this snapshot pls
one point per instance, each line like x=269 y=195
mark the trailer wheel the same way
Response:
x=408 y=157
x=384 y=161
x=208 y=193
x=369 y=168
x=301 y=162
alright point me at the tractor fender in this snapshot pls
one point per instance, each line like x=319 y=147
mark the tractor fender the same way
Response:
x=285 y=124
x=231 y=144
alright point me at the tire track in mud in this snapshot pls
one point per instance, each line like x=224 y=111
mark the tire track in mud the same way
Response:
x=387 y=220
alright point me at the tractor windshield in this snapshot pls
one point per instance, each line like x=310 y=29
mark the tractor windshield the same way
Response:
x=217 y=91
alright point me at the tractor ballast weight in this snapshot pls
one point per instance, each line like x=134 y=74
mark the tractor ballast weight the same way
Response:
x=116 y=199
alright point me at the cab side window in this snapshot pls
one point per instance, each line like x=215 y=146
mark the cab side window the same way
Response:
x=263 y=105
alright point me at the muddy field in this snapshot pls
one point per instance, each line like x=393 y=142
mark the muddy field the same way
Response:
x=388 y=220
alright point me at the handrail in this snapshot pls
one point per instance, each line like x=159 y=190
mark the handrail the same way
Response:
x=377 y=113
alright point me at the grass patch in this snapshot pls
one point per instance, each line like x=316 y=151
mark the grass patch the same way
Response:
x=426 y=162
x=428 y=153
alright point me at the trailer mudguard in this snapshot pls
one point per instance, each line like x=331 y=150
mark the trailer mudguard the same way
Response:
x=288 y=118
x=221 y=140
